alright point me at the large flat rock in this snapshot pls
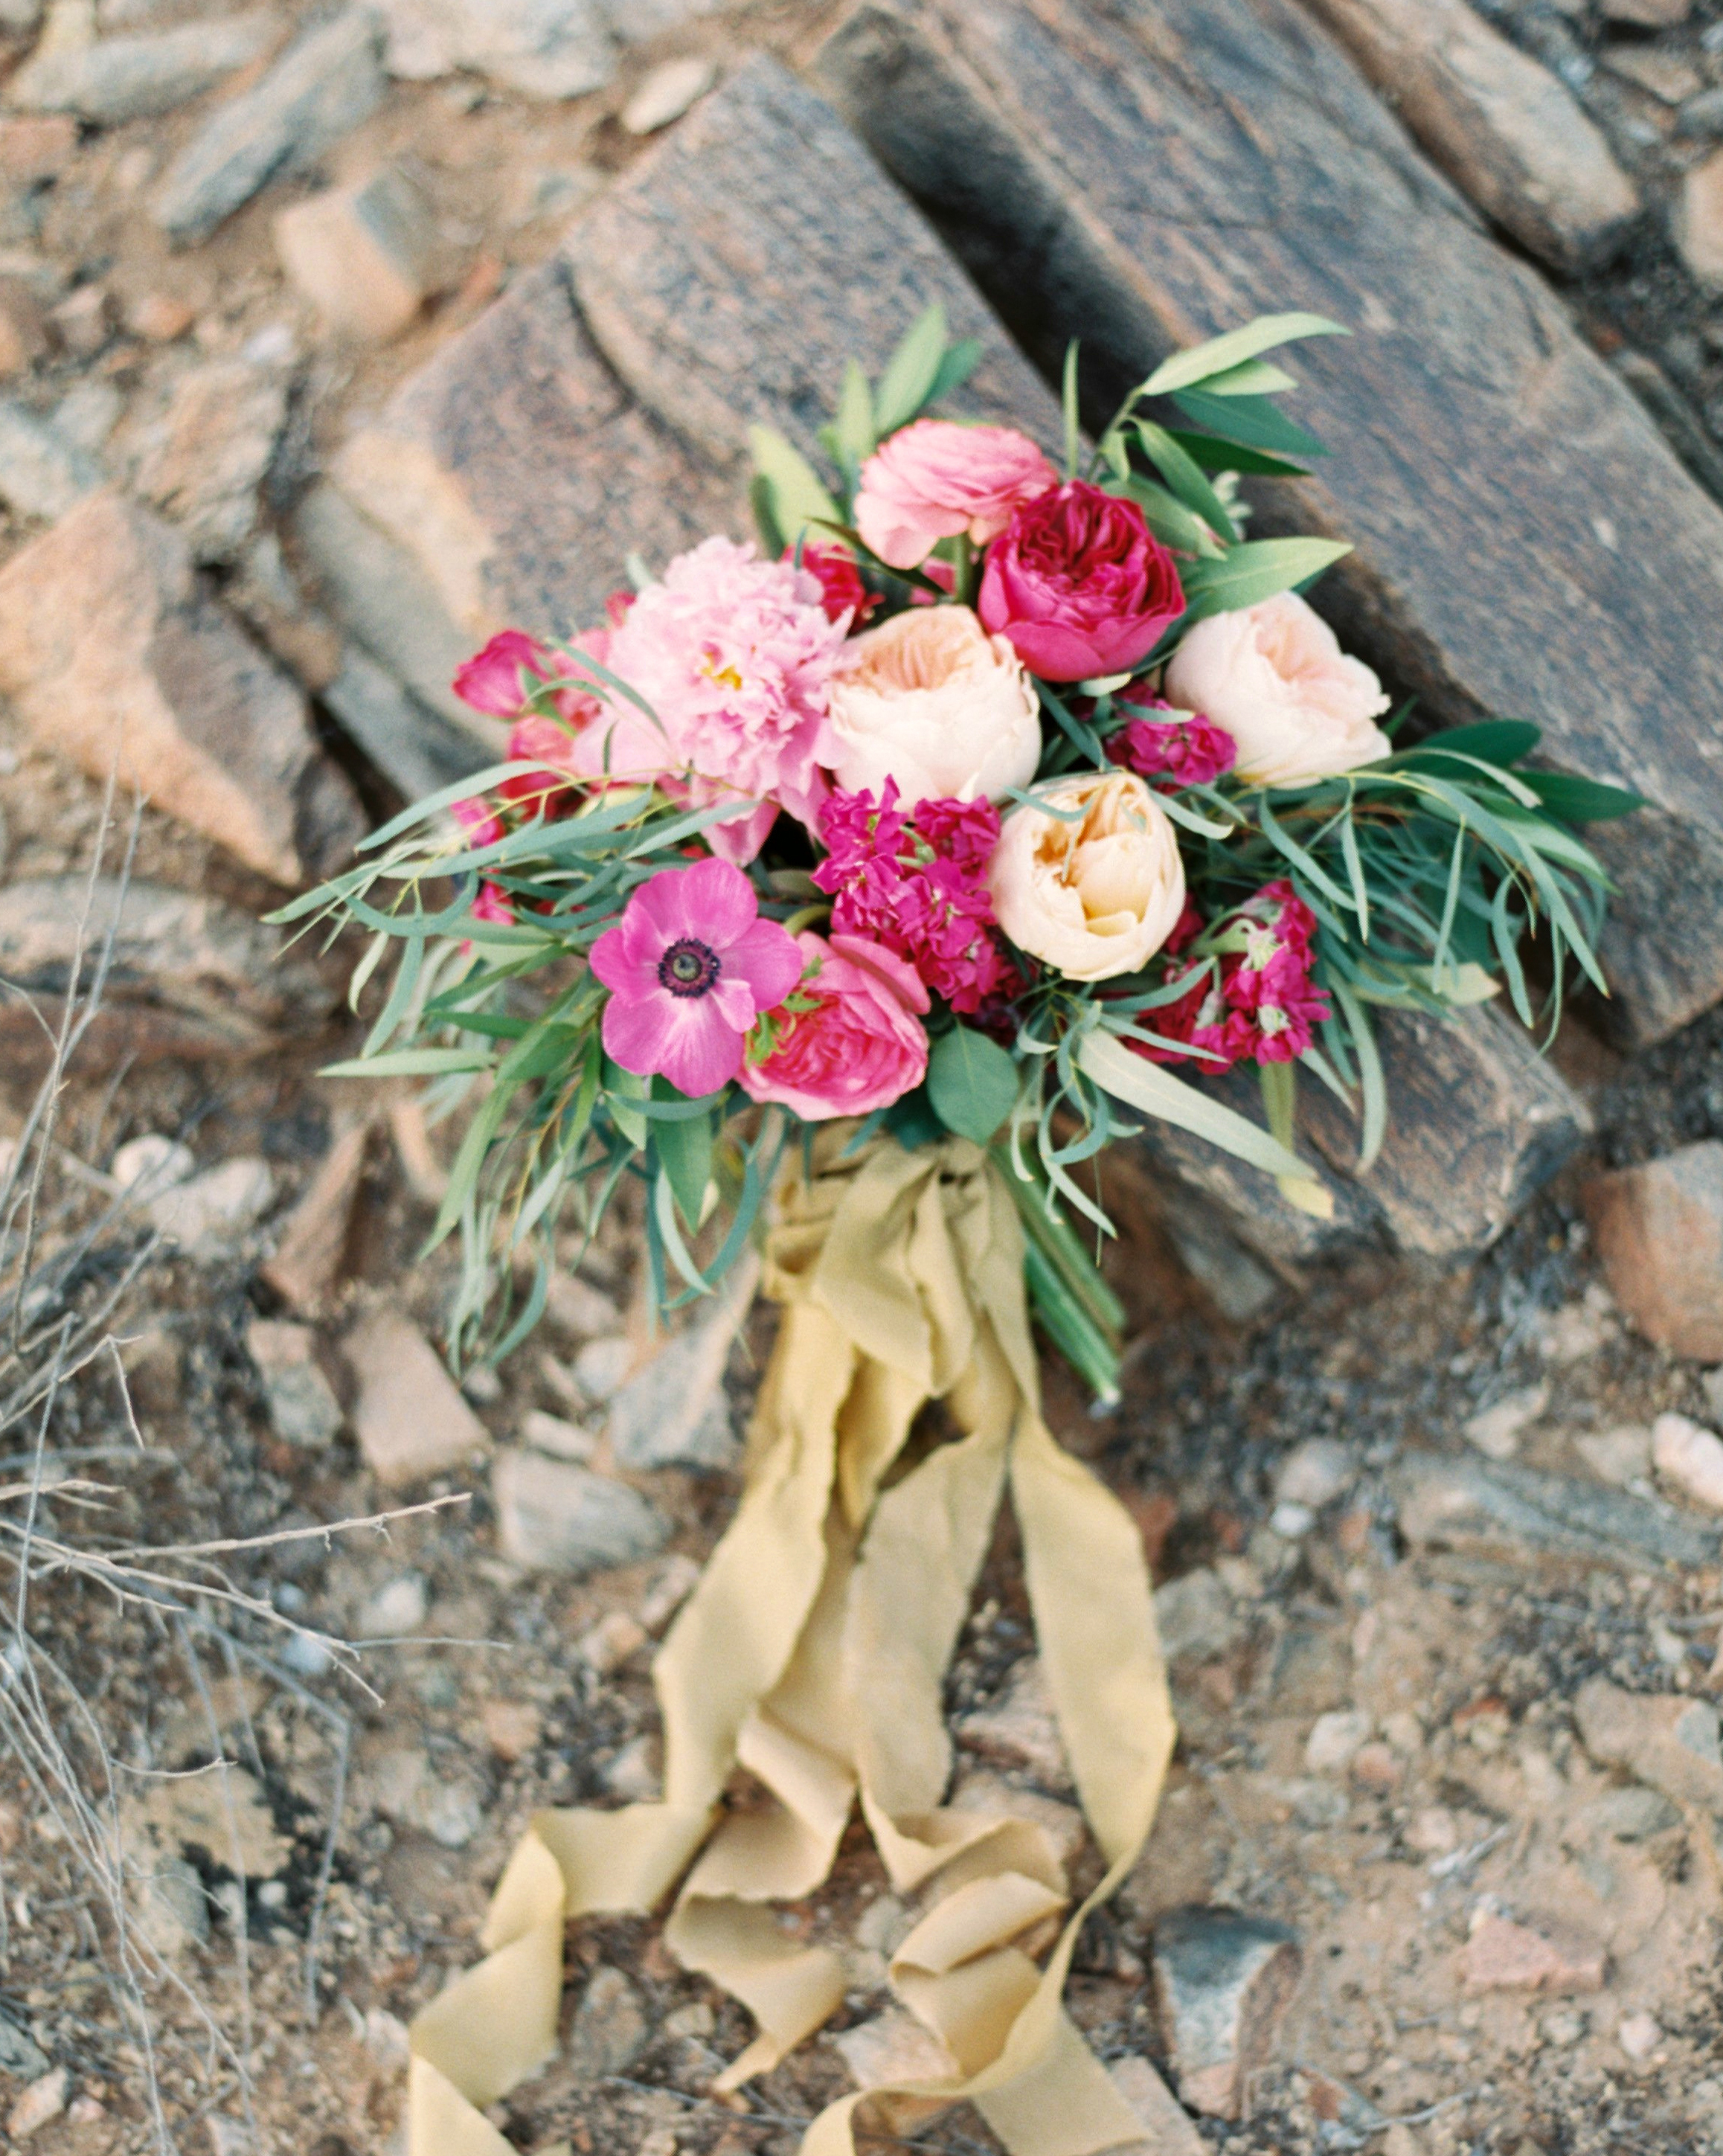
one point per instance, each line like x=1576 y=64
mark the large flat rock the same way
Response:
x=600 y=407
x=1527 y=544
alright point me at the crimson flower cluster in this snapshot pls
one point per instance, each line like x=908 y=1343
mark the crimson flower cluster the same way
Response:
x=1258 y=1004
x=916 y=882
x=1186 y=750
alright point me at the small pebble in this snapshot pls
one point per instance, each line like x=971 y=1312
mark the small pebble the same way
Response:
x=1496 y=1430
x=1638 y=2036
x=398 y=1607
x=1690 y=1457
x=1291 y=1522
x=666 y=95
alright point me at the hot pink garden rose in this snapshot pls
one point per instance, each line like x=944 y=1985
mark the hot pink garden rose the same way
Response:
x=932 y=479
x=689 y=967
x=861 y=1047
x=499 y=680
x=1079 y=585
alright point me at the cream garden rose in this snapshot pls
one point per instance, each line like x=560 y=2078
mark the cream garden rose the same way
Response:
x=1096 y=889
x=930 y=700
x=1274 y=678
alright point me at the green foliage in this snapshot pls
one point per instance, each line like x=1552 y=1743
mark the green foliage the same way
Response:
x=971 y=1082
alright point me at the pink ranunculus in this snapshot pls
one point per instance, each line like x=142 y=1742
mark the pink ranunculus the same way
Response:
x=861 y=1046
x=690 y=966
x=733 y=656
x=841 y=592
x=1079 y=585
x=934 y=479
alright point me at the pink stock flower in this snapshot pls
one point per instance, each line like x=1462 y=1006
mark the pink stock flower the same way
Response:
x=860 y=1046
x=934 y=479
x=845 y=598
x=480 y=824
x=690 y=966
x=1184 y=747
x=917 y=883
x=733 y=656
x=1258 y=1005
x=1079 y=584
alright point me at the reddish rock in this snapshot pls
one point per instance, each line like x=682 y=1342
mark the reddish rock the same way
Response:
x=365 y=256
x=36 y=146
x=114 y=656
x=1659 y=1231
x=1501 y=1956
x=23 y=328
x=159 y=317
x=411 y=1419
x=311 y=1256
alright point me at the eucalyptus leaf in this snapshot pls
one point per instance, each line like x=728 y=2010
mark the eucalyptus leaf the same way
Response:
x=1154 y=1091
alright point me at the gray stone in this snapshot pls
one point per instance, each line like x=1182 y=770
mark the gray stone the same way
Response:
x=366 y=256
x=173 y=1905
x=1160 y=215
x=1222 y=1980
x=1632 y=1814
x=1510 y=134
x=303 y=1411
x=114 y=656
x=674 y=1413
x=1688 y=435
x=1239 y=1287
x=42 y=471
x=20 y=2056
x=1194 y=1616
x=203 y=457
x=610 y=2030
x=557 y=1516
x=417 y=749
x=390 y=604
x=1667 y=1741
x=1167 y=2129
x=171 y=952
x=114 y=79
x=1315 y=1473
x=88 y=414
x=548 y=49
x=321 y=89
x=1497 y=1505
x=207 y=1216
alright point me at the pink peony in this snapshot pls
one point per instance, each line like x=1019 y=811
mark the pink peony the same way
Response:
x=860 y=1047
x=1079 y=584
x=932 y=479
x=733 y=656
x=845 y=598
x=690 y=966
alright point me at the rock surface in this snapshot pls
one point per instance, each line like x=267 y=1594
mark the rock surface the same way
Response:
x=187 y=975
x=42 y=471
x=1660 y=1232
x=610 y=2029
x=202 y=458
x=1222 y=1980
x=1690 y=1457
x=1486 y=1505
x=302 y=1407
x=319 y=91
x=673 y=1413
x=411 y=1420
x=311 y=1257
x=109 y=81
x=1504 y=1956
x=115 y=657
x=555 y=1516
x=1150 y=220
x=1506 y=131
x=1669 y=1742
x=365 y=255
x=543 y=48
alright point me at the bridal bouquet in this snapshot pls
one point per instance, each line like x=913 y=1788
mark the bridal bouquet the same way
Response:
x=985 y=797
x=890 y=869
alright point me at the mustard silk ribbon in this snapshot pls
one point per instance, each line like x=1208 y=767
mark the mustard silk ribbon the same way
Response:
x=812 y=1654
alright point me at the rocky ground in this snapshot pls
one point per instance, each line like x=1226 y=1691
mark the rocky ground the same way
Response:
x=1439 y=1565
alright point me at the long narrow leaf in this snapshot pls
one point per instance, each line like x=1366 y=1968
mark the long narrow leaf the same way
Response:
x=1229 y=350
x=1154 y=1091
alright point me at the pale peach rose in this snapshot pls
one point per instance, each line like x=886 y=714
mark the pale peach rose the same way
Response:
x=1274 y=678
x=1092 y=893
x=932 y=479
x=930 y=700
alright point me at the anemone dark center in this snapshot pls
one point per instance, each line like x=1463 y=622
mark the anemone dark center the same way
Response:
x=687 y=969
